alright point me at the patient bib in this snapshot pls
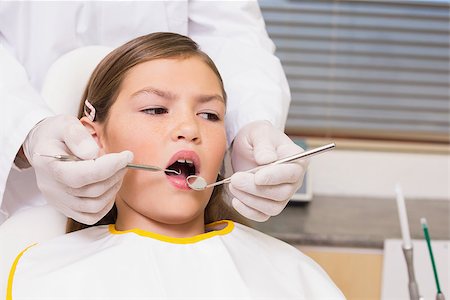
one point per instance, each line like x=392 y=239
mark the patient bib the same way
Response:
x=230 y=261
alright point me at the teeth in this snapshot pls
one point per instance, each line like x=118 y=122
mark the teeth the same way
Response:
x=186 y=161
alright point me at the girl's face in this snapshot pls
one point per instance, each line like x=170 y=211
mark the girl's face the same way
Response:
x=169 y=113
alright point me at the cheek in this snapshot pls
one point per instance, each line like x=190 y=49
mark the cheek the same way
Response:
x=127 y=134
x=116 y=134
x=139 y=138
x=217 y=152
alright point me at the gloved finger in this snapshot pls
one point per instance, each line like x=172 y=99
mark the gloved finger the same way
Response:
x=246 y=182
x=52 y=147
x=97 y=189
x=279 y=174
x=96 y=205
x=264 y=148
x=79 y=141
x=248 y=212
x=266 y=206
x=105 y=210
x=89 y=218
x=76 y=174
x=288 y=148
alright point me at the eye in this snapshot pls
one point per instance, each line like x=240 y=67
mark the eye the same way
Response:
x=209 y=116
x=155 y=110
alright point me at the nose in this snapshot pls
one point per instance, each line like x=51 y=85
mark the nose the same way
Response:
x=186 y=128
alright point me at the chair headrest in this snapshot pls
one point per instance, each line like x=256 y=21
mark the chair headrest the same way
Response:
x=66 y=79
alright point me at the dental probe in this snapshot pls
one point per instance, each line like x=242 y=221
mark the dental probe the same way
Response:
x=198 y=183
x=68 y=157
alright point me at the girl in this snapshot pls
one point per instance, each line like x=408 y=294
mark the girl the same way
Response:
x=163 y=99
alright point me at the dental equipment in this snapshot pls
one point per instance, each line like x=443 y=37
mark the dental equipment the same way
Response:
x=198 y=183
x=407 y=244
x=412 y=284
x=439 y=295
x=68 y=157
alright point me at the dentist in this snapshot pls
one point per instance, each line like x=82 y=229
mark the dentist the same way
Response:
x=34 y=34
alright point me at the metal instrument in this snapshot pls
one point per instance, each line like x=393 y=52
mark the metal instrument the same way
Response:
x=198 y=183
x=68 y=157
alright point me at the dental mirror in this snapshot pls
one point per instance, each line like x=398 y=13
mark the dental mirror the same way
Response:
x=198 y=183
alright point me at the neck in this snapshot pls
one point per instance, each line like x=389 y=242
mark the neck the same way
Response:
x=128 y=218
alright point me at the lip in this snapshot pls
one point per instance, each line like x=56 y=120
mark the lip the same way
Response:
x=180 y=182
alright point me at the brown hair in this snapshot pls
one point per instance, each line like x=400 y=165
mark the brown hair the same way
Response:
x=104 y=85
x=105 y=81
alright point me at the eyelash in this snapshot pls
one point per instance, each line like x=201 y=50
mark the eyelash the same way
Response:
x=211 y=116
x=161 y=110
x=154 y=110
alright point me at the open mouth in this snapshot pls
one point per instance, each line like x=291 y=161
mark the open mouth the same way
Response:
x=186 y=163
x=185 y=166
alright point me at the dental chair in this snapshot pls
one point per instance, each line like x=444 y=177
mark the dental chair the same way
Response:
x=62 y=90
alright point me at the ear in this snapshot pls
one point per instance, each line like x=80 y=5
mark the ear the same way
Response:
x=96 y=131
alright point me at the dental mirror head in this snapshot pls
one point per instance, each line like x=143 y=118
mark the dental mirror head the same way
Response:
x=196 y=182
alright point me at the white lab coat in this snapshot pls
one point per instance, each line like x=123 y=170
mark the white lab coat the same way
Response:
x=230 y=262
x=34 y=34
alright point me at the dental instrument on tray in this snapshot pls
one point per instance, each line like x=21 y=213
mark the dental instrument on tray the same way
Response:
x=439 y=295
x=68 y=157
x=198 y=183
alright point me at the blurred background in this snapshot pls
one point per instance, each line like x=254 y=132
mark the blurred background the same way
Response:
x=373 y=77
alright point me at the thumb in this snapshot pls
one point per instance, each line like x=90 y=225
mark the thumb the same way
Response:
x=264 y=149
x=79 y=141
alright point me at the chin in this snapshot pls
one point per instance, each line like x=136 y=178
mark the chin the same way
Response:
x=178 y=217
x=179 y=211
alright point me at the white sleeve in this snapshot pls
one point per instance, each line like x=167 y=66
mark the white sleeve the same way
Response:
x=233 y=34
x=22 y=107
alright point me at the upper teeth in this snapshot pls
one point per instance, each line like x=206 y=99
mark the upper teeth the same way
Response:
x=185 y=161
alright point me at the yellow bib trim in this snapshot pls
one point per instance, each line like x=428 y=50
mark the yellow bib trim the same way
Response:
x=12 y=272
x=187 y=240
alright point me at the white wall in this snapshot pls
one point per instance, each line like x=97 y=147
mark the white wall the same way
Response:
x=374 y=174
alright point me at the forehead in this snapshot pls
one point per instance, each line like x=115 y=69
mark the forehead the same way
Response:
x=175 y=74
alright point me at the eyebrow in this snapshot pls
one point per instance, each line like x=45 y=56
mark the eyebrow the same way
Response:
x=171 y=96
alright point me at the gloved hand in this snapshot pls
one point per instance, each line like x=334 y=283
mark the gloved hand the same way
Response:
x=266 y=192
x=82 y=190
